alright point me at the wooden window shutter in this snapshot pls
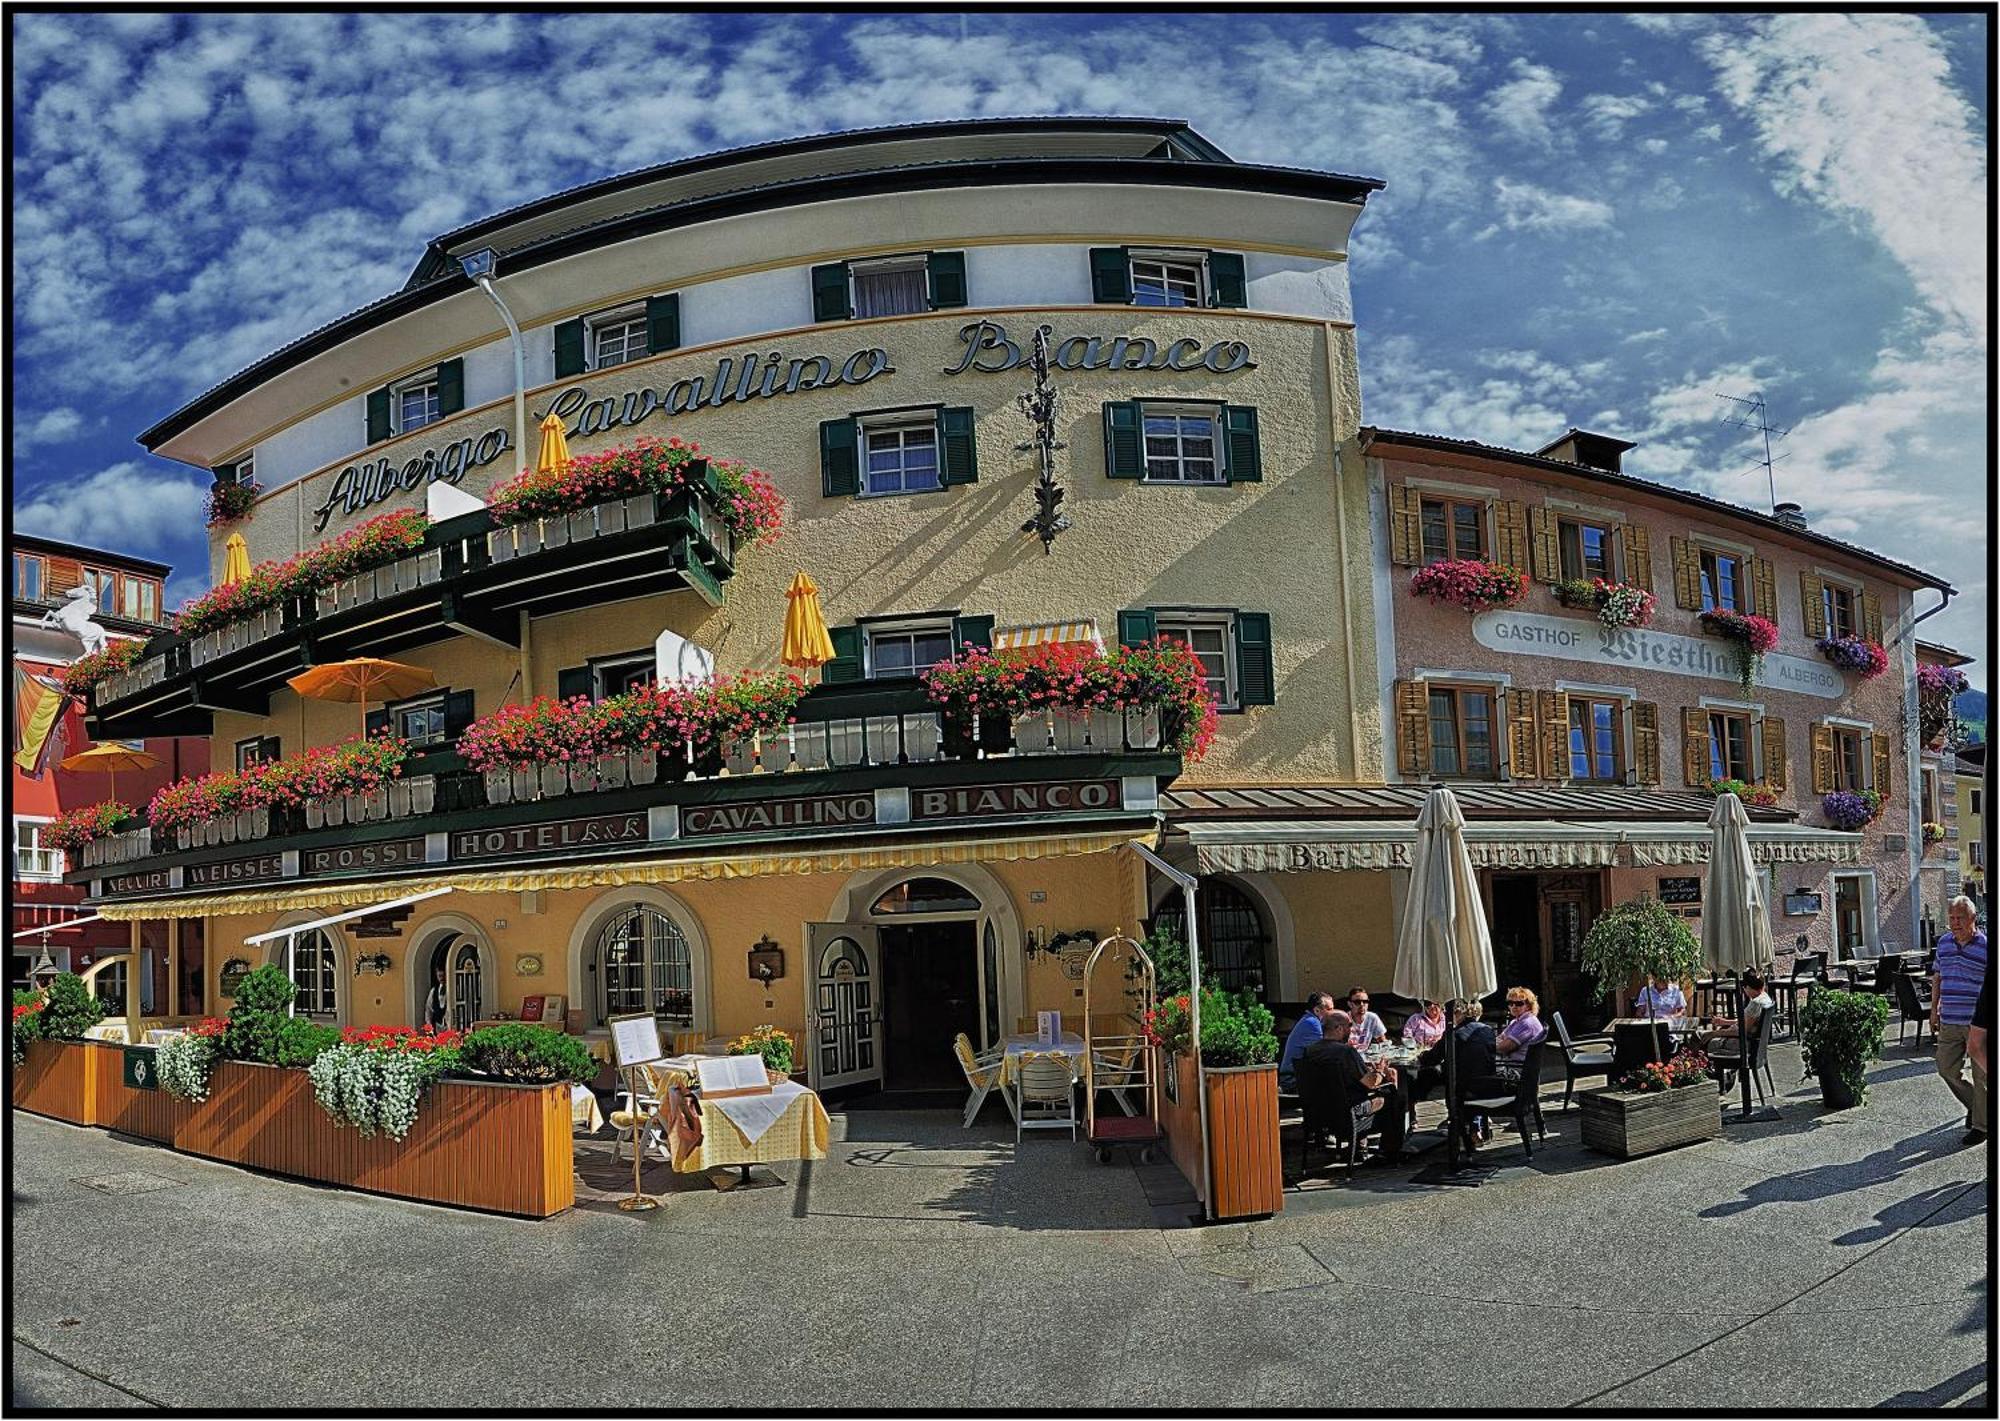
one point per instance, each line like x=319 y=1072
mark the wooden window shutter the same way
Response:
x=1777 y=773
x=1646 y=742
x=457 y=712
x=1406 y=526
x=569 y=348
x=1523 y=747
x=1878 y=746
x=1763 y=588
x=960 y=461
x=1110 y=276
x=846 y=664
x=1637 y=544
x=378 y=415
x=1510 y=522
x=1124 y=448
x=1136 y=626
x=1226 y=286
x=1694 y=746
x=1413 y=728
x=1822 y=758
x=451 y=387
x=1242 y=455
x=573 y=681
x=1871 y=615
x=1256 y=680
x=947 y=279
x=1555 y=735
x=829 y=286
x=663 y=323
x=1812 y=603
x=1687 y=576
x=1543 y=547
x=971 y=631
x=839 y=466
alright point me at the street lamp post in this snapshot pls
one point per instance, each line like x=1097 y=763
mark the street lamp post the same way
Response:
x=479 y=266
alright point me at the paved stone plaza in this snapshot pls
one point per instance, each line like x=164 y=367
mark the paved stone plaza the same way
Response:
x=1814 y=1260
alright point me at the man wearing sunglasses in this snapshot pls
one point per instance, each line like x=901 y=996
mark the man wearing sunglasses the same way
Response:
x=1368 y=1028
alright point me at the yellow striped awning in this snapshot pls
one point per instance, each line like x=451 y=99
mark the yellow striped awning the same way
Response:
x=751 y=862
x=1082 y=633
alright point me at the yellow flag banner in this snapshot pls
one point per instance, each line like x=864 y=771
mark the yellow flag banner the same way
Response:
x=38 y=708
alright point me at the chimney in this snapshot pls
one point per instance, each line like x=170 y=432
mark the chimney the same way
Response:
x=1593 y=451
x=1791 y=515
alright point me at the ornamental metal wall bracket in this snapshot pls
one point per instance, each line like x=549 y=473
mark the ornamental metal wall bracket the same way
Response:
x=1040 y=405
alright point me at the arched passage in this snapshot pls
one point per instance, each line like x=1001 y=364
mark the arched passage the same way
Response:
x=471 y=977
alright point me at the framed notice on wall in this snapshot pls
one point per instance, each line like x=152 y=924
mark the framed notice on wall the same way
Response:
x=635 y=1039
x=1802 y=904
x=1680 y=892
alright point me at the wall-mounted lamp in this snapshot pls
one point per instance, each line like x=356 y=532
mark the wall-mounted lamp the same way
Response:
x=767 y=960
x=377 y=962
x=1040 y=940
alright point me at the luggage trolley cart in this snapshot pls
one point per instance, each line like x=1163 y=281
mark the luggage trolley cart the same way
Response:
x=1117 y=1060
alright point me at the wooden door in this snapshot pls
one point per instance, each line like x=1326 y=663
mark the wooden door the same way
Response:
x=844 y=1010
x=1570 y=905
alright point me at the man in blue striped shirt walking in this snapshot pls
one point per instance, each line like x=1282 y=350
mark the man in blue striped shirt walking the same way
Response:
x=1961 y=971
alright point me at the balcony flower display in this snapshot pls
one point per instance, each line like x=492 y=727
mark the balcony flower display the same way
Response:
x=1469 y=583
x=1933 y=832
x=71 y=830
x=380 y=540
x=1849 y=810
x=748 y=501
x=542 y=731
x=83 y=674
x=357 y=766
x=1762 y=796
x=1938 y=688
x=709 y=718
x=230 y=503
x=1071 y=679
x=1617 y=604
x=189 y=801
x=1853 y=653
x=1752 y=636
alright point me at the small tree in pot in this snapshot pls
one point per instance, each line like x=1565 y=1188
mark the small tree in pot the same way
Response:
x=1639 y=939
x=1839 y=1034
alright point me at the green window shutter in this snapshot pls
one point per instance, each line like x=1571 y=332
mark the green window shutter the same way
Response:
x=1110 y=276
x=839 y=469
x=663 y=323
x=573 y=681
x=960 y=464
x=1124 y=444
x=1242 y=456
x=846 y=663
x=375 y=722
x=1225 y=279
x=569 y=348
x=451 y=387
x=971 y=631
x=1255 y=684
x=378 y=415
x=947 y=274
x=457 y=713
x=1136 y=626
x=830 y=292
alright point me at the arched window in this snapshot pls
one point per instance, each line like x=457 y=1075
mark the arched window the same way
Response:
x=316 y=970
x=927 y=895
x=644 y=964
x=1232 y=936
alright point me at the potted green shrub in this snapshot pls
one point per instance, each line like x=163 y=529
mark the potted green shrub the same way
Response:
x=1640 y=939
x=1839 y=1034
x=70 y=1009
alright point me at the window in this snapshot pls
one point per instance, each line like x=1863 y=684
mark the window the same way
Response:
x=1850 y=912
x=31 y=859
x=258 y=750
x=926 y=895
x=1840 y=612
x=1973 y=802
x=1586 y=549
x=908 y=650
x=419 y=721
x=1596 y=738
x=1209 y=639
x=1462 y=732
x=1232 y=936
x=1453 y=528
x=1931 y=812
x=1722 y=582
x=1166 y=281
x=895 y=286
x=103 y=585
x=644 y=964
x=1729 y=746
x=316 y=970
x=617 y=338
x=1181 y=446
x=629 y=673
x=1850 y=759
x=417 y=405
x=141 y=599
x=901 y=458
x=30 y=577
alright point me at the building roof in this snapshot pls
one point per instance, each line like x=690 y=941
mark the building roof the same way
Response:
x=436 y=278
x=1948 y=655
x=55 y=547
x=1478 y=801
x=1768 y=524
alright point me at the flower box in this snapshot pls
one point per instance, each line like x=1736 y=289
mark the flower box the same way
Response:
x=335 y=810
x=583 y=776
x=1857 y=654
x=611 y=771
x=1470 y=583
x=1628 y=1123
x=555 y=780
x=57 y=1079
x=527 y=783
x=643 y=766
x=315 y=814
x=1244 y=1150
x=499 y=785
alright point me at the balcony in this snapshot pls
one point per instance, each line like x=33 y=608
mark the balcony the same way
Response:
x=469 y=578
x=859 y=758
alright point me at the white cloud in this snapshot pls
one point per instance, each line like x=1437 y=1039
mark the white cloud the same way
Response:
x=1520 y=107
x=127 y=507
x=50 y=427
x=1522 y=207
x=1403 y=389
x=1607 y=114
x=1642 y=337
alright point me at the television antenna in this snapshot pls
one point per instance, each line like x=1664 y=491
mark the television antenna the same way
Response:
x=1751 y=414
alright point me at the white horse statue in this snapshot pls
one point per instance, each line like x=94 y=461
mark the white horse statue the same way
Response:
x=74 y=616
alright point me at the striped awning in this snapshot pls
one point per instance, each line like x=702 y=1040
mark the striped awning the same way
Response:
x=1082 y=633
x=750 y=862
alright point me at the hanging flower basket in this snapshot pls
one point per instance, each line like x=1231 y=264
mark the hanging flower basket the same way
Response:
x=1856 y=654
x=1762 y=796
x=1933 y=832
x=1469 y=583
x=1849 y=810
x=230 y=503
x=1751 y=635
x=1618 y=604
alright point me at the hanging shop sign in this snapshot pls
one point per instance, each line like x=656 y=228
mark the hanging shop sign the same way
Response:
x=1643 y=649
x=600 y=831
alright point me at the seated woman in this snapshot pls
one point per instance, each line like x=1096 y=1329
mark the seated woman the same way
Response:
x=1661 y=998
x=1424 y=1028
x=1523 y=1029
x=1723 y=1036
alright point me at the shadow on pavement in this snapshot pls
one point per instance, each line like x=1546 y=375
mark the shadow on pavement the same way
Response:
x=1950 y=1390
x=1822 y=1181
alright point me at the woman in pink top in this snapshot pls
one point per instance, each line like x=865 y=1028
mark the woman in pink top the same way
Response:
x=1523 y=1029
x=1424 y=1028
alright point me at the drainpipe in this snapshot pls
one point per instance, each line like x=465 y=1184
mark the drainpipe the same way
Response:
x=1913 y=759
x=1187 y=886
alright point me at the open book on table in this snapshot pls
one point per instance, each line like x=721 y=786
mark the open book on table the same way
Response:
x=721 y=1077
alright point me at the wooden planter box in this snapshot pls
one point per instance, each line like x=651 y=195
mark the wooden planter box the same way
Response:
x=1242 y=1136
x=58 y=1079
x=1628 y=1123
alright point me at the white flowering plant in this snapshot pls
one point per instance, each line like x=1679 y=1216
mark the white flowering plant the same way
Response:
x=185 y=1061
x=376 y=1077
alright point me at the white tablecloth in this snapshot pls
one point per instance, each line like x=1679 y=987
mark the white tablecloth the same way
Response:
x=754 y=1114
x=1018 y=1046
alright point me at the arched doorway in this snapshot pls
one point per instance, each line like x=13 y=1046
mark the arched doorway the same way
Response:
x=931 y=980
x=318 y=966
x=1235 y=942
x=457 y=945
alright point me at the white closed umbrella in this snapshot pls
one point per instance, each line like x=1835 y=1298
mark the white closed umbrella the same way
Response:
x=1443 y=949
x=1736 y=922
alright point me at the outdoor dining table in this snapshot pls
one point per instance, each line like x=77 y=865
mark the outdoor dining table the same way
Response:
x=1637 y=1040
x=1071 y=1045
x=1402 y=1095
x=788 y=1124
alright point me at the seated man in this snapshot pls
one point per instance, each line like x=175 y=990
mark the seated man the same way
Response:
x=1661 y=998
x=1319 y=1006
x=1334 y=1077
x=1368 y=1027
x=1722 y=1037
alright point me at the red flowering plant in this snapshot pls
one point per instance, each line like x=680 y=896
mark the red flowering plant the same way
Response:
x=745 y=498
x=1168 y=1023
x=81 y=676
x=1763 y=796
x=1853 y=653
x=1075 y=679
x=728 y=711
x=71 y=830
x=1753 y=636
x=1470 y=583
x=1617 y=604
x=354 y=766
x=209 y=1026
x=543 y=731
x=1685 y=1067
x=382 y=539
x=230 y=503
x=415 y=1040
x=189 y=801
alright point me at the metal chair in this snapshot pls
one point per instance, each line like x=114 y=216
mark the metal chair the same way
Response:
x=1578 y=1062
x=1044 y=1093
x=982 y=1072
x=1913 y=1001
x=1524 y=1104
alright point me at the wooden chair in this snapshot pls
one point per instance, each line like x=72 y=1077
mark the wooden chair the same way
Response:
x=1578 y=1062
x=981 y=1074
x=1044 y=1093
x=637 y=1115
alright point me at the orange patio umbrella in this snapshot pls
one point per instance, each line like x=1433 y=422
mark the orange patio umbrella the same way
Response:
x=555 y=446
x=110 y=758
x=807 y=645
x=235 y=560
x=362 y=680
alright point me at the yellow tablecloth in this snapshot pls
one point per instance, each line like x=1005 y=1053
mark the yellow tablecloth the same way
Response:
x=584 y=1110
x=799 y=1134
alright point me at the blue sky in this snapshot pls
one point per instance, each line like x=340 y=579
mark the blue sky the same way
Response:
x=1597 y=220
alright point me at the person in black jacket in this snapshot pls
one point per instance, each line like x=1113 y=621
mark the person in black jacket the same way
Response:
x=1334 y=1079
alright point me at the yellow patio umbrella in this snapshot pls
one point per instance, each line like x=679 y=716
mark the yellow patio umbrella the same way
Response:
x=807 y=644
x=362 y=679
x=235 y=560
x=555 y=447
x=110 y=758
